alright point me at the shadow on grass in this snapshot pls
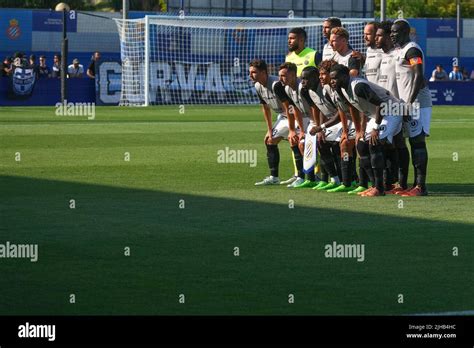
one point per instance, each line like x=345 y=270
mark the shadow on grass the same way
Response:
x=459 y=190
x=225 y=256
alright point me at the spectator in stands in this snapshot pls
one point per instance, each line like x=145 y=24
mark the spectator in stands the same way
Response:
x=6 y=67
x=43 y=70
x=33 y=64
x=472 y=75
x=456 y=74
x=56 y=70
x=91 y=68
x=75 y=70
x=465 y=74
x=19 y=59
x=439 y=74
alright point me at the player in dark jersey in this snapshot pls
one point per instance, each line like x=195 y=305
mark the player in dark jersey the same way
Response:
x=413 y=90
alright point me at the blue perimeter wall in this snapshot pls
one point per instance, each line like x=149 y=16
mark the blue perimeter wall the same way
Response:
x=39 y=32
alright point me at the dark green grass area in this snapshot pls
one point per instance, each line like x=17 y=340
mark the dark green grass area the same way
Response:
x=173 y=158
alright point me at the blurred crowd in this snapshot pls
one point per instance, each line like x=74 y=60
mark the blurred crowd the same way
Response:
x=458 y=73
x=42 y=69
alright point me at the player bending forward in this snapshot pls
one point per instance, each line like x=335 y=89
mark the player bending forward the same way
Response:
x=327 y=124
x=271 y=92
x=298 y=106
x=375 y=102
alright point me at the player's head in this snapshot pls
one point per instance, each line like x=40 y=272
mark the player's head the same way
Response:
x=400 y=32
x=339 y=76
x=287 y=74
x=382 y=36
x=330 y=23
x=339 y=39
x=309 y=77
x=296 y=39
x=369 y=33
x=324 y=71
x=258 y=71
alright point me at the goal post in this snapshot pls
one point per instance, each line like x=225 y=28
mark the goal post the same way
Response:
x=204 y=59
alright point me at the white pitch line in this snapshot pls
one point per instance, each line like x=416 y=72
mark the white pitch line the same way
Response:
x=468 y=312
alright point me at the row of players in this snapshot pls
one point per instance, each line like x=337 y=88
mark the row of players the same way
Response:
x=369 y=117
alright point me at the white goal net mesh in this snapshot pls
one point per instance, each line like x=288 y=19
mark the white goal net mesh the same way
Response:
x=204 y=60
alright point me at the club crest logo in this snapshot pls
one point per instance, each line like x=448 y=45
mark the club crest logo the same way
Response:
x=383 y=128
x=13 y=31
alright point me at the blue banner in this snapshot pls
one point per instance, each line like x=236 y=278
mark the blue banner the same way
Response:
x=452 y=93
x=53 y=21
x=444 y=28
x=47 y=91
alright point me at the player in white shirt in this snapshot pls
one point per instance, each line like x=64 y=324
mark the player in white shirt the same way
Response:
x=343 y=52
x=413 y=90
x=397 y=154
x=373 y=55
x=371 y=67
x=328 y=25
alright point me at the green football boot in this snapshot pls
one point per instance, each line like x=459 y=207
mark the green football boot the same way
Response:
x=307 y=183
x=341 y=188
x=320 y=184
x=357 y=190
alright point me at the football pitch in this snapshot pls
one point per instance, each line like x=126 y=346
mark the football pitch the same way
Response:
x=131 y=210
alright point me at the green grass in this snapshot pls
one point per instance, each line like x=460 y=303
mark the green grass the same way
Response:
x=190 y=251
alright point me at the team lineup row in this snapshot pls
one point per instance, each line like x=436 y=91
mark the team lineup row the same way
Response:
x=368 y=117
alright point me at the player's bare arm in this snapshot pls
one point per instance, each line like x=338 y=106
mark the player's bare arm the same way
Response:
x=267 y=113
x=289 y=111
x=357 y=119
x=299 y=120
x=419 y=80
x=374 y=134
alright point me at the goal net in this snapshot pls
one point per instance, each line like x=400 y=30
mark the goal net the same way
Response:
x=204 y=60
